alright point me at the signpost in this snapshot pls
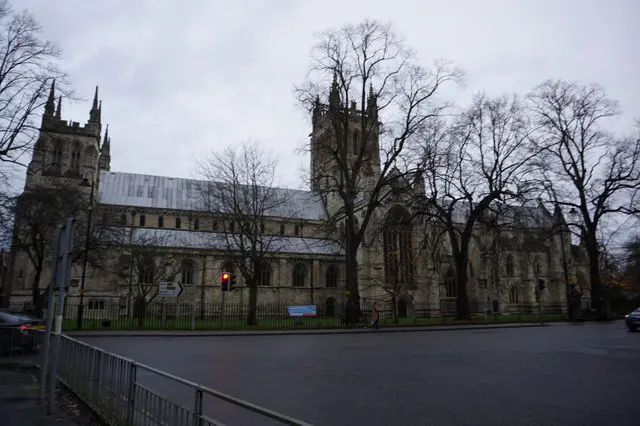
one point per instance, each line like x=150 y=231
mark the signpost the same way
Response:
x=169 y=289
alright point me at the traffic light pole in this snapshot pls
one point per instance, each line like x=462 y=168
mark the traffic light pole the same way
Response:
x=222 y=310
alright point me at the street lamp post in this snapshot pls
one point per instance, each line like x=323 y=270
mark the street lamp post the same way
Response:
x=85 y=260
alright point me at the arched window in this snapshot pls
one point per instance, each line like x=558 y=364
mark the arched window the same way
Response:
x=299 y=275
x=282 y=229
x=330 y=308
x=188 y=272
x=178 y=223
x=536 y=267
x=57 y=155
x=214 y=225
x=332 y=276
x=262 y=227
x=160 y=221
x=513 y=295
x=142 y=220
x=265 y=274
x=450 y=283
x=146 y=273
x=123 y=219
x=397 y=248
x=75 y=157
x=196 y=224
x=509 y=265
x=296 y=230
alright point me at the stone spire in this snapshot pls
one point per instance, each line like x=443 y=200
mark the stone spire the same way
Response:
x=50 y=106
x=372 y=103
x=94 y=114
x=59 y=109
x=104 y=163
x=334 y=94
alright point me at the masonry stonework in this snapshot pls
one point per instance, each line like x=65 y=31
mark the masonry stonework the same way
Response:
x=504 y=265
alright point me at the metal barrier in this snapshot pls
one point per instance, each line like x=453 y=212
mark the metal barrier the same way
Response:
x=121 y=391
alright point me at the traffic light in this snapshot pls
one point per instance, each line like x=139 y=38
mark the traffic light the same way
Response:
x=541 y=284
x=224 y=285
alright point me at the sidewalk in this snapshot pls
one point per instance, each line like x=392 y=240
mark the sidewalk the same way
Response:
x=290 y=332
x=19 y=400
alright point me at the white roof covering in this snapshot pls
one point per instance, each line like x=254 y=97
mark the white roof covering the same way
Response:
x=161 y=237
x=137 y=190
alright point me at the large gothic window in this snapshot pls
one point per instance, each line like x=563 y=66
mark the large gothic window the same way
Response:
x=450 y=284
x=509 y=265
x=398 y=266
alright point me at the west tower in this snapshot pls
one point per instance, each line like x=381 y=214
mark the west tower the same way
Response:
x=344 y=145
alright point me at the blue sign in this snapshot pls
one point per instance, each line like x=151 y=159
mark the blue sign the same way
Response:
x=302 y=311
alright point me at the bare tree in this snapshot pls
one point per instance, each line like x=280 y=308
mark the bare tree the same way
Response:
x=144 y=262
x=468 y=165
x=586 y=168
x=28 y=65
x=373 y=77
x=34 y=218
x=241 y=187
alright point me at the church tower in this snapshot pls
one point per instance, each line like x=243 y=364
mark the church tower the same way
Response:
x=344 y=144
x=66 y=153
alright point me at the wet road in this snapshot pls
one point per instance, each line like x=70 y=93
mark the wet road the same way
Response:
x=582 y=374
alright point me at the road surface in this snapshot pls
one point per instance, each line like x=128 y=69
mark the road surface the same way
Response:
x=566 y=374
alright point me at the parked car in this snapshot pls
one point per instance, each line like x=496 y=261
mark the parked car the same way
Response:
x=632 y=320
x=19 y=332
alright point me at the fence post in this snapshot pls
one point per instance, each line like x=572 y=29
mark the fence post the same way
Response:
x=131 y=393
x=197 y=408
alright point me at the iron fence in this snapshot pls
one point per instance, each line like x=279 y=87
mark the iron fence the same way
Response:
x=329 y=314
x=124 y=392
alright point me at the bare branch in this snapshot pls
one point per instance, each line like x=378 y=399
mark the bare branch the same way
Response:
x=240 y=188
x=585 y=167
x=369 y=100
x=28 y=65
x=469 y=166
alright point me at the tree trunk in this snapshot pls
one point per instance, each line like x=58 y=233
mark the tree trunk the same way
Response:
x=36 y=296
x=462 y=301
x=139 y=308
x=252 y=317
x=597 y=296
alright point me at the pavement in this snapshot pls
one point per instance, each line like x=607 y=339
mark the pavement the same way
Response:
x=19 y=400
x=291 y=332
x=564 y=374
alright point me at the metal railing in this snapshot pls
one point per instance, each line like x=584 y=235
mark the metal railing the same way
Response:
x=115 y=315
x=124 y=392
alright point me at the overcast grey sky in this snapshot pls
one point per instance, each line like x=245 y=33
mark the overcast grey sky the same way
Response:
x=178 y=78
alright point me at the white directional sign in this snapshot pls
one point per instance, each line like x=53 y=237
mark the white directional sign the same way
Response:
x=169 y=289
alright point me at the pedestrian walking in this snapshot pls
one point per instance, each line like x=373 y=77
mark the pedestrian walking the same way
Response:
x=375 y=316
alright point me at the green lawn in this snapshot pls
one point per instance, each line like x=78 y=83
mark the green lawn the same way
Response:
x=282 y=323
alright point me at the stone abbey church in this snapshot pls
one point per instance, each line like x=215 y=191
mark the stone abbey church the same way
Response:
x=305 y=266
